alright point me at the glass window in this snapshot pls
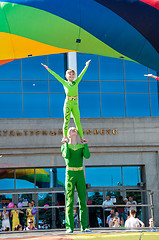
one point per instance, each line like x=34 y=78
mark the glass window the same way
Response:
x=35 y=105
x=111 y=68
x=89 y=86
x=11 y=70
x=113 y=105
x=154 y=87
x=6 y=179
x=138 y=105
x=154 y=105
x=135 y=71
x=10 y=86
x=137 y=87
x=112 y=86
x=32 y=68
x=56 y=63
x=56 y=105
x=92 y=72
x=45 y=215
x=43 y=177
x=104 y=176
x=61 y=177
x=55 y=86
x=131 y=176
x=11 y=105
x=24 y=178
x=35 y=86
x=5 y=200
x=89 y=105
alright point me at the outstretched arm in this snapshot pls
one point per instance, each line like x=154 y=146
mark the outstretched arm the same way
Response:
x=61 y=80
x=65 y=151
x=151 y=75
x=86 y=152
x=83 y=72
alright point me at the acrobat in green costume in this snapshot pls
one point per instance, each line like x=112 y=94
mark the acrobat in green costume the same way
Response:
x=73 y=155
x=71 y=102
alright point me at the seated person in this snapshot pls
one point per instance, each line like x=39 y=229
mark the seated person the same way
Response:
x=30 y=225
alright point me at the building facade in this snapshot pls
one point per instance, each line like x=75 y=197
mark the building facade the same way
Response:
x=119 y=116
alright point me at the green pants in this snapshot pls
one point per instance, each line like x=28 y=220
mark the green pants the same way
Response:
x=72 y=106
x=75 y=178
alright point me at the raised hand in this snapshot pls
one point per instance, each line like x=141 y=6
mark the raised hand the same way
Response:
x=45 y=66
x=87 y=63
x=148 y=75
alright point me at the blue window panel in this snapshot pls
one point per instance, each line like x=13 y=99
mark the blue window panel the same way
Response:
x=11 y=105
x=135 y=71
x=61 y=177
x=89 y=105
x=92 y=72
x=10 y=86
x=138 y=105
x=56 y=63
x=88 y=86
x=131 y=171
x=32 y=68
x=56 y=86
x=23 y=184
x=35 y=86
x=112 y=86
x=105 y=176
x=111 y=68
x=154 y=87
x=137 y=87
x=11 y=70
x=35 y=105
x=154 y=105
x=113 y=105
x=6 y=183
x=56 y=105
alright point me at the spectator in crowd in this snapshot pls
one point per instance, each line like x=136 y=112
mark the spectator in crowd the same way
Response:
x=131 y=202
x=151 y=225
x=132 y=222
x=0 y=221
x=30 y=225
x=76 y=219
x=15 y=216
x=5 y=220
x=106 y=208
x=121 y=210
x=115 y=223
x=117 y=216
x=29 y=214
x=33 y=205
x=110 y=218
x=18 y=227
x=126 y=209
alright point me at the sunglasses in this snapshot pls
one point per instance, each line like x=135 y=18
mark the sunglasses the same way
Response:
x=30 y=222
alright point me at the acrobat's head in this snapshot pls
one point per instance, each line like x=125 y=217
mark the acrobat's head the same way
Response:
x=72 y=132
x=70 y=75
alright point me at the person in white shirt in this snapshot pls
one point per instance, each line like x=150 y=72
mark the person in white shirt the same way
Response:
x=132 y=222
x=106 y=207
x=131 y=202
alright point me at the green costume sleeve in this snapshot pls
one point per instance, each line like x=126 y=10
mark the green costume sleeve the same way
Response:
x=81 y=75
x=65 y=151
x=86 y=152
x=61 y=80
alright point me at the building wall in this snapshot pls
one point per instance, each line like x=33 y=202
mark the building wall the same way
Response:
x=119 y=142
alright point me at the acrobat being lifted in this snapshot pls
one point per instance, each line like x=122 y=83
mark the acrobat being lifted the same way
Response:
x=71 y=101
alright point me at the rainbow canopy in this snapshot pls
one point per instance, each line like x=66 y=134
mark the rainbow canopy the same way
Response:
x=115 y=28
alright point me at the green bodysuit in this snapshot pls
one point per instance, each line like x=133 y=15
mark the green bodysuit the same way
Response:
x=71 y=90
x=73 y=155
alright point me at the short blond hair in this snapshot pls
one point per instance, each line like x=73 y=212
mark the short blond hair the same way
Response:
x=70 y=70
x=68 y=133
